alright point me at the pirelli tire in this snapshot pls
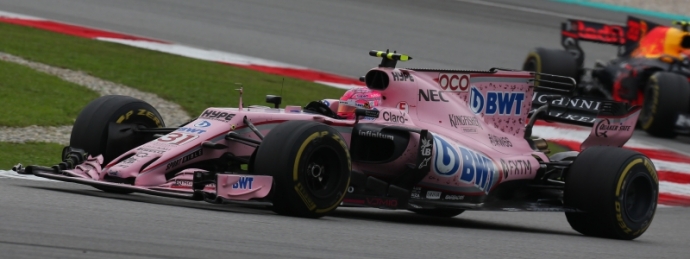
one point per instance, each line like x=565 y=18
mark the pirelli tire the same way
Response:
x=93 y=125
x=310 y=164
x=611 y=192
x=551 y=61
x=666 y=96
x=439 y=212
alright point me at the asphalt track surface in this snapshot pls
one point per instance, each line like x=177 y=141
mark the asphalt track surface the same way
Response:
x=59 y=220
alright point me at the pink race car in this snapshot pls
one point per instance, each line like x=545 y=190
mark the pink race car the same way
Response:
x=443 y=141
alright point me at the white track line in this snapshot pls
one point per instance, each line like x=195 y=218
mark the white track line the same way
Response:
x=661 y=165
x=20 y=16
x=336 y=85
x=203 y=54
x=674 y=188
x=14 y=175
x=550 y=132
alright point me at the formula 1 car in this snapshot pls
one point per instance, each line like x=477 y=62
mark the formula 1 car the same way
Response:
x=651 y=69
x=444 y=141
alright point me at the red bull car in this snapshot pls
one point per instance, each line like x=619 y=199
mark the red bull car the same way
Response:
x=651 y=69
x=440 y=142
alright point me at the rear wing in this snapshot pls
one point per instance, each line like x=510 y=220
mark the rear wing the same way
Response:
x=576 y=110
x=554 y=100
x=626 y=37
x=556 y=97
x=612 y=123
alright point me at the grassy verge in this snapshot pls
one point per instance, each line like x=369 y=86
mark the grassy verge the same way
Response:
x=29 y=98
x=194 y=84
x=32 y=153
x=555 y=148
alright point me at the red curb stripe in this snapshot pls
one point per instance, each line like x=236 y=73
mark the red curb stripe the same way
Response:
x=674 y=199
x=668 y=176
x=84 y=32
x=658 y=154
x=73 y=30
x=299 y=73
x=674 y=177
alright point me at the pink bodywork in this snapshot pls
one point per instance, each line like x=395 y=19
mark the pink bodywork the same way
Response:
x=477 y=120
x=474 y=150
x=612 y=130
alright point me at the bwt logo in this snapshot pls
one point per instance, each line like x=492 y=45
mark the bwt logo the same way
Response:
x=243 y=183
x=202 y=124
x=472 y=167
x=500 y=103
x=191 y=130
x=447 y=160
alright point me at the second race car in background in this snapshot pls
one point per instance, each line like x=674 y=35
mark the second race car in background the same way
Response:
x=651 y=69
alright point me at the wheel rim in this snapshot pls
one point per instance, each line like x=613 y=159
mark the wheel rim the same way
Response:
x=321 y=172
x=638 y=198
x=530 y=65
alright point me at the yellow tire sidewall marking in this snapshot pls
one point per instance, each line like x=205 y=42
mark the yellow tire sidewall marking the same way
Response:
x=621 y=179
x=625 y=173
x=655 y=100
x=537 y=65
x=141 y=112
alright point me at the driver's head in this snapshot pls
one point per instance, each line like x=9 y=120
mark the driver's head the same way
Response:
x=677 y=42
x=358 y=97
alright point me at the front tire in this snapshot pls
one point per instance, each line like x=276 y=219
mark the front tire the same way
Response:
x=665 y=97
x=616 y=200
x=92 y=129
x=310 y=165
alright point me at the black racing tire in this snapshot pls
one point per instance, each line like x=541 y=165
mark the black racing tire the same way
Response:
x=90 y=130
x=310 y=164
x=441 y=213
x=551 y=61
x=616 y=200
x=665 y=97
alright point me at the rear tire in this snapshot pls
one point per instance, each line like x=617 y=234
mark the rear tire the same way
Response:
x=665 y=97
x=310 y=165
x=441 y=213
x=551 y=61
x=616 y=200
x=90 y=130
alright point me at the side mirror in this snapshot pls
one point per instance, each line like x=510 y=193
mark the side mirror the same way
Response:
x=366 y=113
x=275 y=100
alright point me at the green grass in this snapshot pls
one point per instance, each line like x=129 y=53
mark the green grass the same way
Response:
x=555 y=148
x=33 y=153
x=28 y=97
x=194 y=84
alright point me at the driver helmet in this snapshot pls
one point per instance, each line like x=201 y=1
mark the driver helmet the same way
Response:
x=358 y=97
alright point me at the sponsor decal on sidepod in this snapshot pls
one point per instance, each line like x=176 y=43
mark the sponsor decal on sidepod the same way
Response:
x=468 y=166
